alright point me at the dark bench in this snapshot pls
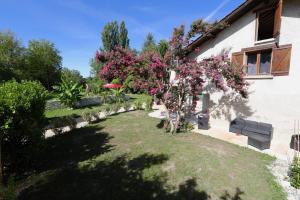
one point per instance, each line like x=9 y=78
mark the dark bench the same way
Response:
x=259 y=134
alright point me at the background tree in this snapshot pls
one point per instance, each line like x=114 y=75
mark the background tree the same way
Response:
x=11 y=56
x=149 y=43
x=162 y=47
x=43 y=63
x=110 y=36
x=71 y=75
x=123 y=36
x=95 y=67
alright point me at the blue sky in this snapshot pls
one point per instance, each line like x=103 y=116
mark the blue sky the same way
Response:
x=75 y=25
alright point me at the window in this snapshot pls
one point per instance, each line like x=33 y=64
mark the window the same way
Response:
x=259 y=63
x=265 y=25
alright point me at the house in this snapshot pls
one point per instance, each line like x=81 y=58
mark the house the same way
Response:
x=264 y=37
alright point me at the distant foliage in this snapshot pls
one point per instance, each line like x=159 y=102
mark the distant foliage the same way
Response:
x=149 y=43
x=22 y=107
x=43 y=63
x=69 y=93
x=123 y=36
x=94 y=85
x=113 y=36
x=71 y=75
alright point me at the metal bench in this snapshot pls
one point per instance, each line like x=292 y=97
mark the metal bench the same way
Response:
x=259 y=134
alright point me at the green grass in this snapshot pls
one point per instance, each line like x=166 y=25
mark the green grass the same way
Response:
x=67 y=111
x=128 y=157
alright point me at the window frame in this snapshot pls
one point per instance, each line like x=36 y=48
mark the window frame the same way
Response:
x=258 y=63
x=258 y=13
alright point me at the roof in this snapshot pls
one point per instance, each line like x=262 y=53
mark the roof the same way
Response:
x=228 y=19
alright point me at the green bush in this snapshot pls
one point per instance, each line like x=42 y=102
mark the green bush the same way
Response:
x=69 y=93
x=295 y=173
x=95 y=85
x=148 y=103
x=115 y=107
x=126 y=106
x=22 y=107
x=138 y=104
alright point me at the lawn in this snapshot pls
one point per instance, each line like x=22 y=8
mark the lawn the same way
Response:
x=128 y=156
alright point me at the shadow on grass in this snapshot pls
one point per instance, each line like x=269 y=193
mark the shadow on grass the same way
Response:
x=121 y=178
x=68 y=149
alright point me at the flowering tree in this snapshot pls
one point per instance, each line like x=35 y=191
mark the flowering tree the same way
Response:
x=117 y=63
x=179 y=96
x=148 y=72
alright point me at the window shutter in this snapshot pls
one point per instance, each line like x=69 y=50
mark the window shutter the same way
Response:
x=277 y=19
x=237 y=59
x=281 y=60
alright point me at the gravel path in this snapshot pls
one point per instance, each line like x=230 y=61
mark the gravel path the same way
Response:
x=280 y=170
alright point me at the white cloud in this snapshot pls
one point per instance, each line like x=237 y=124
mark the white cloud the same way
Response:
x=215 y=11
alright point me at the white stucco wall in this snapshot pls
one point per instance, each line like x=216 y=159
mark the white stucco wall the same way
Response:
x=275 y=101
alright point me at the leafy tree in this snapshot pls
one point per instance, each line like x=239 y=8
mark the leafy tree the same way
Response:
x=43 y=63
x=110 y=36
x=162 y=47
x=123 y=36
x=71 y=75
x=149 y=43
x=11 y=56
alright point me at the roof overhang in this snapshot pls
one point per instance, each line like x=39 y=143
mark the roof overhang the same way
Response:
x=228 y=19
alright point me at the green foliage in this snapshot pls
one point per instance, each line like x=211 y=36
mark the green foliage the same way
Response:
x=69 y=93
x=9 y=192
x=126 y=105
x=110 y=36
x=149 y=43
x=105 y=96
x=123 y=36
x=138 y=104
x=95 y=85
x=71 y=75
x=12 y=55
x=95 y=67
x=22 y=107
x=113 y=36
x=89 y=116
x=59 y=123
x=115 y=107
x=43 y=63
x=148 y=103
x=116 y=81
x=162 y=47
x=295 y=173
x=128 y=83
x=118 y=94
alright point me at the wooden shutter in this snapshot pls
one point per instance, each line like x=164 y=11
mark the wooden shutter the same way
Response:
x=237 y=59
x=281 y=60
x=277 y=18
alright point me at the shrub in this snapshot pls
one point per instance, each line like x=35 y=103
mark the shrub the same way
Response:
x=95 y=85
x=107 y=109
x=59 y=123
x=69 y=93
x=138 y=104
x=148 y=103
x=295 y=173
x=115 y=107
x=90 y=116
x=126 y=106
x=22 y=107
